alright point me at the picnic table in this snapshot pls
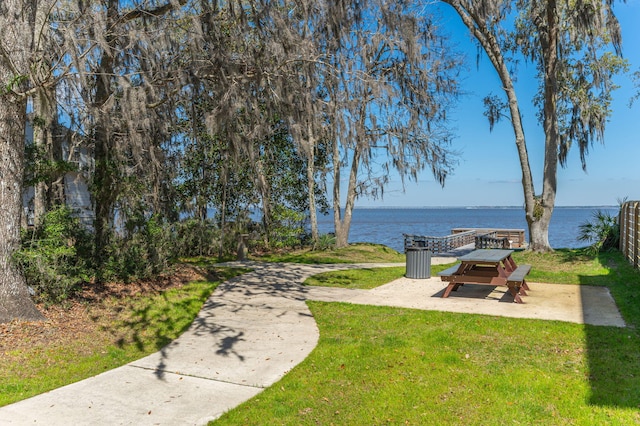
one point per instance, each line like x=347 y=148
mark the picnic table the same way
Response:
x=490 y=267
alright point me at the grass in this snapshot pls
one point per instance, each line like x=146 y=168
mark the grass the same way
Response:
x=380 y=365
x=354 y=253
x=367 y=278
x=570 y=266
x=134 y=328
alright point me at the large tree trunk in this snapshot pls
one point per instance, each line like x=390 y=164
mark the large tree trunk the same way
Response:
x=16 y=31
x=14 y=298
x=543 y=209
x=539 y=234
x=537 y=211
x=104 y=193
x=311 y=181
x=343 y=224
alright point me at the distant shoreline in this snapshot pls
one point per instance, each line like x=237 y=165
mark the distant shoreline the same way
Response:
x=477 y=207
x=387 y=225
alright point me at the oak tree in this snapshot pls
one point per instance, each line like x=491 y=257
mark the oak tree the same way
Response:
x=570 y=44
x=17 y=36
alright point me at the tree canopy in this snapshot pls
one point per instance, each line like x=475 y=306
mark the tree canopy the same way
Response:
x=207 y=110
x=189 y=119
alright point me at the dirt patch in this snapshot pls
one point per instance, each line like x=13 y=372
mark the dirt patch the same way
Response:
x=81 y=315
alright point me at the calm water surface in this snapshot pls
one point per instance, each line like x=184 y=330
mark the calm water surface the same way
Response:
x=386 y=225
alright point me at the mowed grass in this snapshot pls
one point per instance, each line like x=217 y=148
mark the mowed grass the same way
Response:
x=378 y=365
x=354 y=253
x=126 y=330
x=572 y=266
x=366 y=278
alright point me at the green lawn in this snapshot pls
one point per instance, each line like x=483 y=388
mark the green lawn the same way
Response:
x=379 y=365
x=354 y=253
x=127 y=330
x=382 y=365
x=367 y=278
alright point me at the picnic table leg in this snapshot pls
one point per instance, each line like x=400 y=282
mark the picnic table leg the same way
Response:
x=448 y=290
x=524 y=285
x=453 y=286
x=510 y=264
x=514 y=293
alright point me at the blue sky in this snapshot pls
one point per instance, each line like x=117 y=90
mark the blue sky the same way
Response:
x=488 y=173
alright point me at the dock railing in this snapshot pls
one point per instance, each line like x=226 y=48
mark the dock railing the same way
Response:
x=516 y=237
x=439 y=244
x=491 y=240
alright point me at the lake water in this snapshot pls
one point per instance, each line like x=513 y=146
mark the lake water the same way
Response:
x=387 y=225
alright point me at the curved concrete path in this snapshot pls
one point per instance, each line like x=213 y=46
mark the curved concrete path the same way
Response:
x=252 y=331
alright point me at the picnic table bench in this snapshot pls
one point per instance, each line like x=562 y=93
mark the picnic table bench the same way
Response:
x=489 y=267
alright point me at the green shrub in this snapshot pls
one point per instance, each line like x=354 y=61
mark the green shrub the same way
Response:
x=145 y=250
x=55 y=256
x=196 y=238
x=287 y=227
x=603 y=230
x=326 y=242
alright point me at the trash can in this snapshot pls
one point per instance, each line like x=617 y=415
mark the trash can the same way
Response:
x=418 y=262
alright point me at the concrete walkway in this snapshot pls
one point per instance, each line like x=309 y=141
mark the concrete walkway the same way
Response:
x=253 y=330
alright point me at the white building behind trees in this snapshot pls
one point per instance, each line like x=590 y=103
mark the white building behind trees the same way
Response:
x=74 y=182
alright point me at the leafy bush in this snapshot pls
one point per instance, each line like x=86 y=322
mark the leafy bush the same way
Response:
x=144 y=251
x=196 y=238
x=287 y=227
x=603 y=230
x=55 y=256
x=326 y=242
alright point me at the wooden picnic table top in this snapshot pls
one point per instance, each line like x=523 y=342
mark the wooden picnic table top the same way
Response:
x=486 y=255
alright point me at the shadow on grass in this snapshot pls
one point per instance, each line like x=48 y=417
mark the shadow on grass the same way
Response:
x=169 y=313
x=243 y=312
x=613 y=354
